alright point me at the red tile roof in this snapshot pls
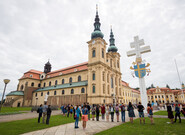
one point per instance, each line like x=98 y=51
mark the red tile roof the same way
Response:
x=124 y=83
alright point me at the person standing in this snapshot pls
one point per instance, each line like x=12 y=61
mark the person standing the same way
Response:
x=77 y=115
x=131 y=113
x=97 y=112
x=140 y=109
x=93 y=112
x=107 y=112
x=71 y=110
x=84 y=116
x=45 y=107
x=150 y=113
x=170 y=113
x=89 y=109
x=40 y=111
x=117 y=112
x=112 y=112
x=177 y=113
x=123 y=112
x=103 y=111
x=68 y=110
x=48 y=114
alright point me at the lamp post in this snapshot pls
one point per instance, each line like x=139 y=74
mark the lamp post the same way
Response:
x=6 y=81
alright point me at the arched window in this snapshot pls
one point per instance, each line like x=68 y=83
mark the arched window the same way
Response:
x=22 y=87
x=55 y=92
x=102 y=53
x=79 y=78
x=63 y=81
x=103 y=76
x=63 y=92
x=108 y=89
x=50 y=83
x=44 y=85
x=94 y=53
x=48 y=93
x=82 y=90
x=41 y=94
x=112 y=83
x=93 y=76
x=39 y=85
x=56 y=82
x=35 y=94
x=93 y=89
x=72 y=91
x=70 y=80
x=32 y=84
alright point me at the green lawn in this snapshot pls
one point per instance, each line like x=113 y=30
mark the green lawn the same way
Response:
x=161 y=127
x=166 y=113
x=28 y=125
x=13 y=110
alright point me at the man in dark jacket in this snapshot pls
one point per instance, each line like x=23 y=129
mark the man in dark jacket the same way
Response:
x=97 y=113
x=40 y=111
x=177 y=110
x=48 y=114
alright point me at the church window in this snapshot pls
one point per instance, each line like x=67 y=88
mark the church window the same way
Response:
x=22 y=87
x=93 y=89
x=56 y=82
x=155 y=96
x=63 y=92
x=70 y=80
x=112 y=83
x=158 y=96
x=102 y=53
x=72 y=91
x=162 y=96
x=44 y=85
x=39 y=85
x=82 y=90
x=55 y=92
x=93 y=76
x=103 y=88
x=108 y=89
x=94 y=53
x=63 y=81
x=48 y=93
x=35 y=94
x=32 y=84
x=79 y=78
x=167 y=96
x=50 y=83
x=103 y=76
x=41 y=94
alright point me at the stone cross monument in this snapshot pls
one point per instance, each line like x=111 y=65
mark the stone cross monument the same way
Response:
x=139 y=66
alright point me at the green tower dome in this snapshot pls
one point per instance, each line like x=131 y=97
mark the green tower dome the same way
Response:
x=112 y=47
x=97 y=32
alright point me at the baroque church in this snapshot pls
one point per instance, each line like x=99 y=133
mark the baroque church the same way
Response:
x=97 y=81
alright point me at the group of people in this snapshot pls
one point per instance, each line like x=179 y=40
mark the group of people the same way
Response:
x=44 y=111
x=106 y=111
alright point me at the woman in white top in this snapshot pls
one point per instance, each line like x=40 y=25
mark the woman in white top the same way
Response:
x=107 y=112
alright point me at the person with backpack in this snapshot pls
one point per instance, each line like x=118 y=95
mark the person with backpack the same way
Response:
x=131 y=113
x=117 y=112
x=123 y=113
x=170 y=113
x=177 y=113
x=76 y=116
x=48 y=114
x=103 y=111
x=40 y=111
x=93 y=110
x=141 y=113
x=107 y=112
x=150 y=113
x=84 y=116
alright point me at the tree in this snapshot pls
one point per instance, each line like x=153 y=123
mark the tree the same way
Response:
x=167 y=86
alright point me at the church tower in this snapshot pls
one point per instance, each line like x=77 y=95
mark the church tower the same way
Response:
x=96 y=63
x=47 y=67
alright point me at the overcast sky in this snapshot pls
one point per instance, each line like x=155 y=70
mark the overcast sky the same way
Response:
x=31 y=32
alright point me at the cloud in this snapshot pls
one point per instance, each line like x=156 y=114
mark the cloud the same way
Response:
x=35 y=31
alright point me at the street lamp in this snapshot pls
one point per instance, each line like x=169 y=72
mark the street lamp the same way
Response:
x=6 y=81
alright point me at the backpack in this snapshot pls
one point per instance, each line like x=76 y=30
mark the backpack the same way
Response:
x=150 y=112
x=123 y=108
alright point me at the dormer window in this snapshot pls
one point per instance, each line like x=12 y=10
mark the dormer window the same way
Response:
x=31 y=75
